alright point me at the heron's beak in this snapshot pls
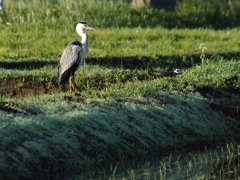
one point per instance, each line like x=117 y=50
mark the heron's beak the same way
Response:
x=92 y=28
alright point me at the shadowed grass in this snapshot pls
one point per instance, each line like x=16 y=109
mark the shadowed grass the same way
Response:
x=220 y=163
x=99 y=132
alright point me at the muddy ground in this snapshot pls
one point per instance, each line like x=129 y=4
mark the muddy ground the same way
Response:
x=25 y=86
x=29 y=85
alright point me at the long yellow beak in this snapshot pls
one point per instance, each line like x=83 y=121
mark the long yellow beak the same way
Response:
x=92 y=28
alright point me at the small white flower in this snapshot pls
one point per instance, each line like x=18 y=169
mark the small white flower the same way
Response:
x=201 y=45
x=203 y=48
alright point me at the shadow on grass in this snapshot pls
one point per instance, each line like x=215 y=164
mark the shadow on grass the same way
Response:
x=127 y=62
x=25 y=64
x=131 y=133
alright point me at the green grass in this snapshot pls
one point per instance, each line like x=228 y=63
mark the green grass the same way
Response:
x=70 y=136
x=26 y=26
x=221 y=163
x=129 y=103
x=117 y=42
x=100 y=128
x=118 y=13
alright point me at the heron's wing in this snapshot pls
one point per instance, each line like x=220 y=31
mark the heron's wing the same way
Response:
x=70 y=61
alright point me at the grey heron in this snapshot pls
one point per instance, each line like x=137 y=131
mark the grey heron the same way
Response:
x=73 y=56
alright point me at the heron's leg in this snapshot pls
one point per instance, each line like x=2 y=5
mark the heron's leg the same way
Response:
x=72 y=83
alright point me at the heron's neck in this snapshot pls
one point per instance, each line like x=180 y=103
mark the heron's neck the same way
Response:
x=84 y=35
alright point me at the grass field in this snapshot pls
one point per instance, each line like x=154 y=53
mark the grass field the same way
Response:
x=150 y=104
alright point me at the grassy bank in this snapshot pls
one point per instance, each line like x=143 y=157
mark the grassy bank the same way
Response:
x=49 y=135
x=60 y=135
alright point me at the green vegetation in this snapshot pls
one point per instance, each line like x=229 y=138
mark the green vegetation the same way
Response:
x=27 y=25
x=62 y=14
x=158 y=46
x=222 y=163
x=150 y=104
x=100 y=128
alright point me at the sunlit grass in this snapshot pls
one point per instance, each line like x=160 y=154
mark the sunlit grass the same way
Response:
x=118 y=13
x=117 y=42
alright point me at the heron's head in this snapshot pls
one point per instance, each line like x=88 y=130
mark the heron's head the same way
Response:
x=84 y=25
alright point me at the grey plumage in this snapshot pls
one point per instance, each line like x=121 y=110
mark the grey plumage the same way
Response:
x=73 y=56
x=70 y=61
